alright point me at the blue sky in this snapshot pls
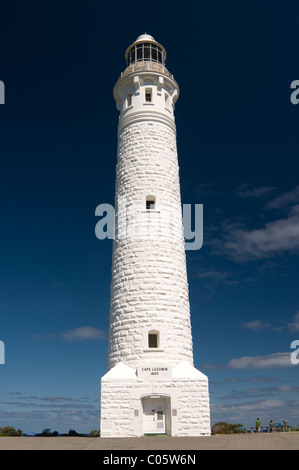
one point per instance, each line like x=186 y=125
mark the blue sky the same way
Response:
x=238 y=143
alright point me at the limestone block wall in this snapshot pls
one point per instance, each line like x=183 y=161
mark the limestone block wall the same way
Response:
x=116 y=410
x=149 y=287
x=193 y=407
x=121 y=405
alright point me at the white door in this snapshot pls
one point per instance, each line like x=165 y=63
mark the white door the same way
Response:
x=154 y=416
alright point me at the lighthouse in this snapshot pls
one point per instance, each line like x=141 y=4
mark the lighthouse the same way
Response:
x=151 y=386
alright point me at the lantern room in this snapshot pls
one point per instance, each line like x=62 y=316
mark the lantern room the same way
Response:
x=145 y=49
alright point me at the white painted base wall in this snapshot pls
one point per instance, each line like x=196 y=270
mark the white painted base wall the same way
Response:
x=185 y=391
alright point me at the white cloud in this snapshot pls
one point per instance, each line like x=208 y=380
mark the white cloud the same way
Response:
x=244 y=191
x=213 y=276
x=58 y=399
x=256 y=325
x=84 y=333
x=294 y=326
x=286 y=199
x=259 y=325
x=262 y=362
x=276 y=237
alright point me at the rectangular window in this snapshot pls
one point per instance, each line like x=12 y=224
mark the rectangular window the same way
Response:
x=146 y=51
x=167 y=101
x=150 y=204
x=132 y=56
x=148 y=95
x=139 y=52
x=154 y=52
x=129 y=99
x=152 y=340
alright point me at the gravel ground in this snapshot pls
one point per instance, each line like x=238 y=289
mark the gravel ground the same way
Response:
x=271 y=441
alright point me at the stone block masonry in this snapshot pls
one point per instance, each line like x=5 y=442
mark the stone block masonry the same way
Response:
x=122 y=408
x=149 y=279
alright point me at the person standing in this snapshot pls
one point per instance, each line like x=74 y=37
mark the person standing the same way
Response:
x=258 y=425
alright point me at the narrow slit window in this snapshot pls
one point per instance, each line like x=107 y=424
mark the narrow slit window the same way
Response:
x=129 y=99
x=148 y=95
x=167 y=101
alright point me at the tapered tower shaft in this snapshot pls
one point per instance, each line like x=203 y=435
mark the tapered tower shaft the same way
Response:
x=149 y=281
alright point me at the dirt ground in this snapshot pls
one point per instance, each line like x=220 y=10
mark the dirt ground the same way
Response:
x=271 y=441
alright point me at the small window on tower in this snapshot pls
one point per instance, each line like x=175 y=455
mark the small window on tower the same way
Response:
x=152 y=340
x=148 y=95
x=150 y=202
x=129 y=99
x=167 y=101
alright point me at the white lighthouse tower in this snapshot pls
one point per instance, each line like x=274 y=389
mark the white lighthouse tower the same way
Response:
x=151 y=386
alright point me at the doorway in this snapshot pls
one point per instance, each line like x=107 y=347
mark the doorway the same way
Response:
x=154 y=415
